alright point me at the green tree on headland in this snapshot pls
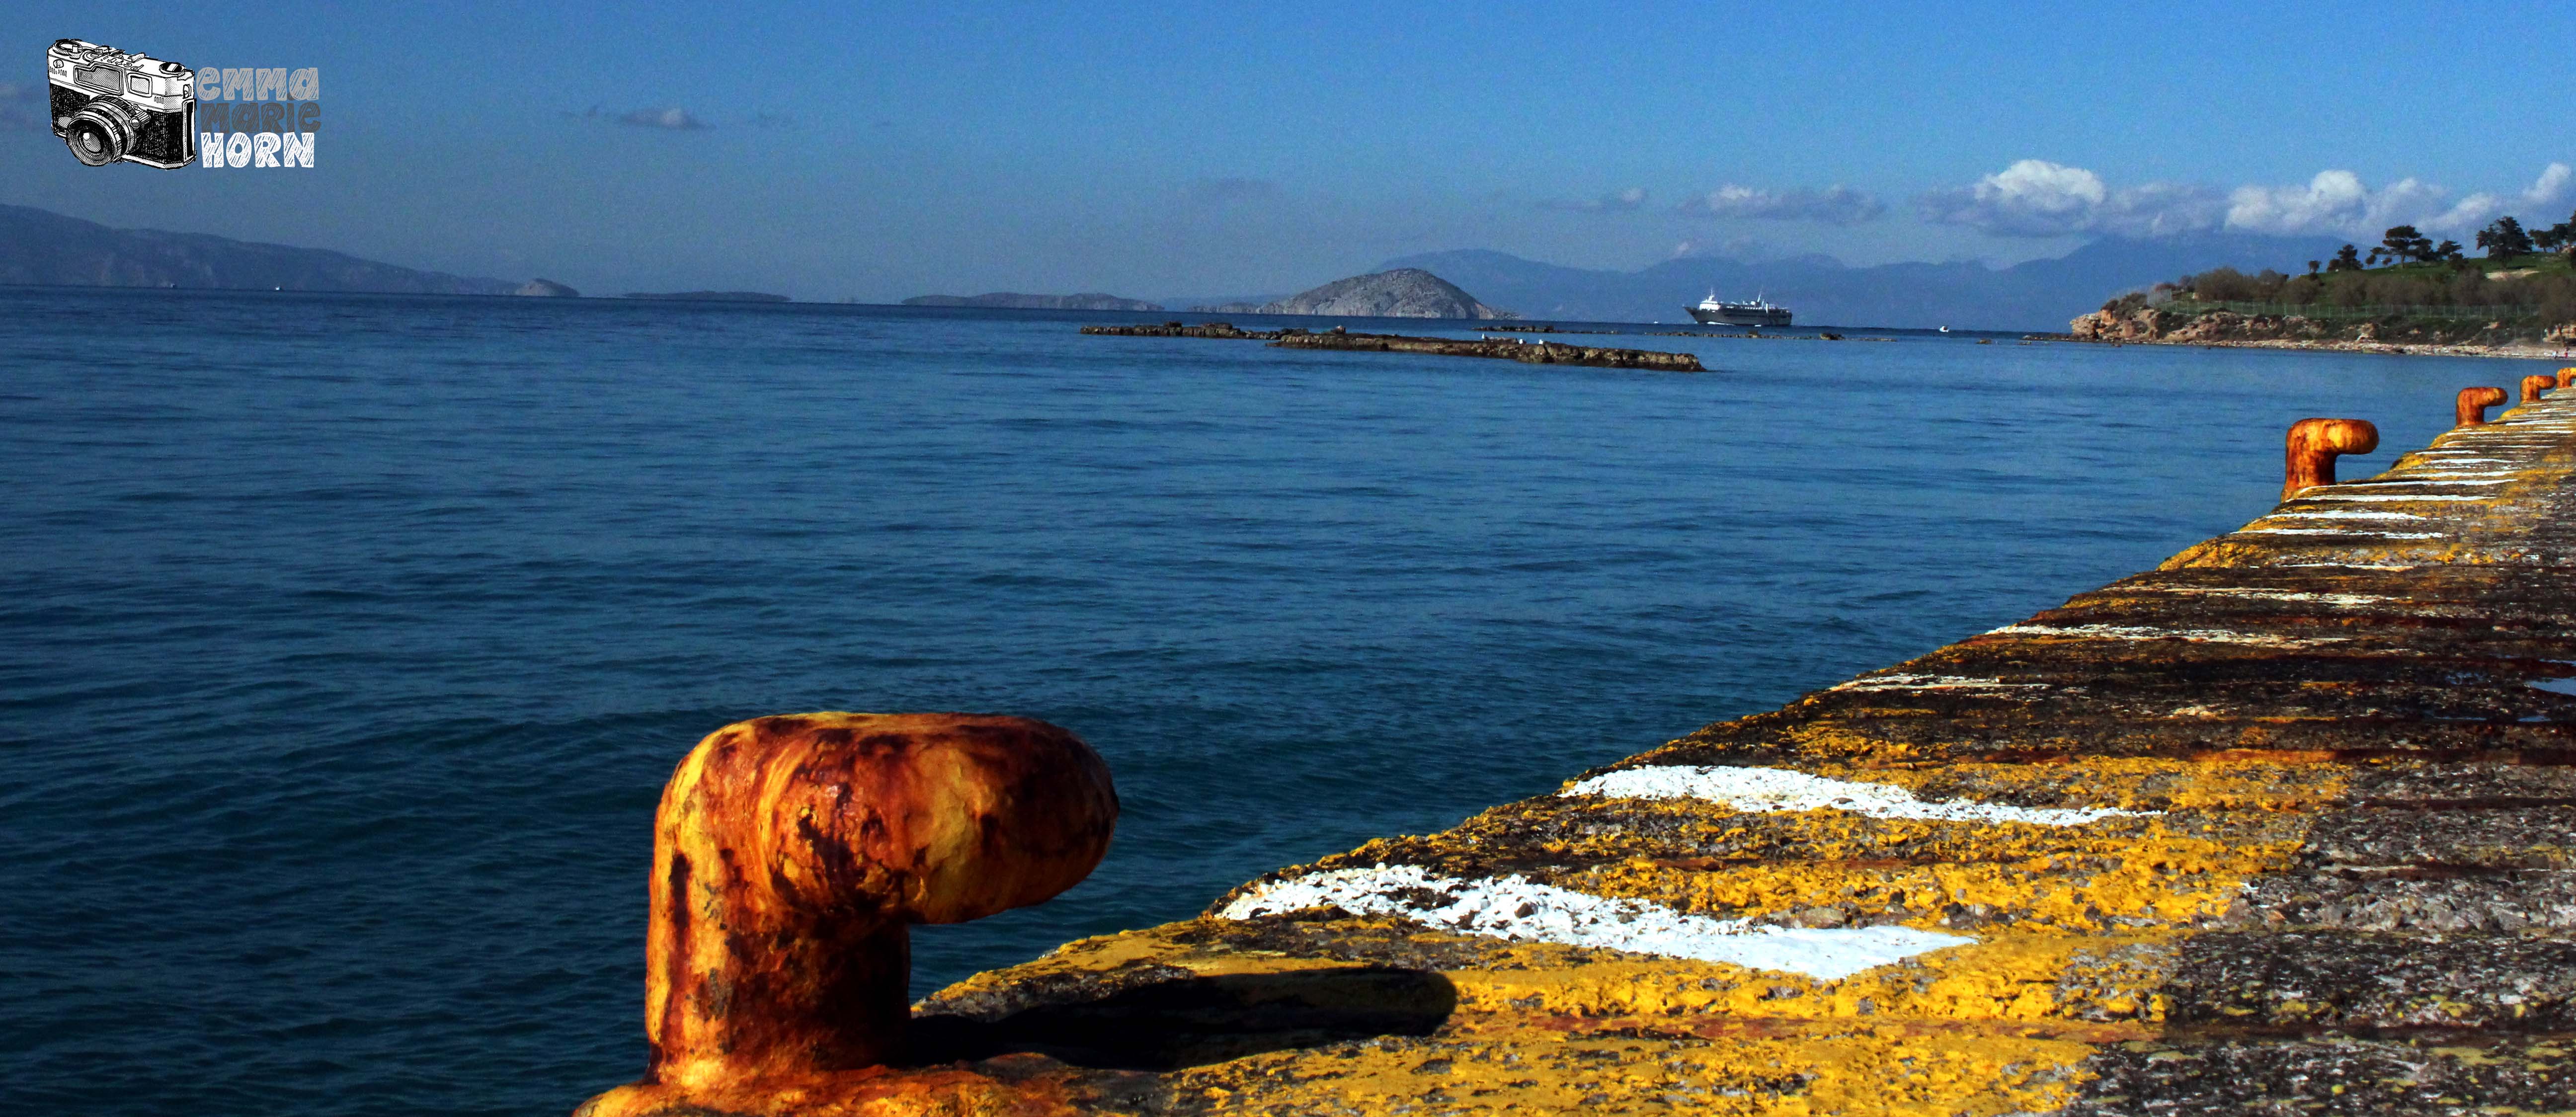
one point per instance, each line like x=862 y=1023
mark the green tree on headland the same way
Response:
x=2556 y=238
x=2403 y=243
x=2505 y=239
x=2426 y=286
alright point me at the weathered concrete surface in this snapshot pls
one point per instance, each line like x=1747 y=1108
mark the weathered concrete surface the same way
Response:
x=2287 y=825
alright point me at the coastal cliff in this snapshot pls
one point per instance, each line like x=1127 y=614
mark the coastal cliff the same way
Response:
x=2152 y=325
x=1401 y=293
x=2517 y=305
x=40 y=248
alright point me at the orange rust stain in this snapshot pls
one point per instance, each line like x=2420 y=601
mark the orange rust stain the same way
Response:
x=2309 y=452
x=2471 y=408
x=791 y=855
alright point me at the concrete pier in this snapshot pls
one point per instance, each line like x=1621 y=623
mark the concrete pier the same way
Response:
x=2287 y=825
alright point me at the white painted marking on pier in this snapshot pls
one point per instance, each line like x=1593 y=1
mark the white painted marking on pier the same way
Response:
x=2337 y=515
x=2194 y=635
x=2392 y=496
x=2342 y=533
x=2287 y=595
x=1932 y=682
x=1520 y=909
x=1779 y=790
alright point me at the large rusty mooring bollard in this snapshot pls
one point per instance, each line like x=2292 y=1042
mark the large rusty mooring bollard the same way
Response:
x=791 y=855
x=2471 y=410
x=2535 y=384
x=2566 y=376
x=2308 y=458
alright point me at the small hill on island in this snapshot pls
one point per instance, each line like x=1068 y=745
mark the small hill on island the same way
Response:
x=1401 y=293
x=1013 y=300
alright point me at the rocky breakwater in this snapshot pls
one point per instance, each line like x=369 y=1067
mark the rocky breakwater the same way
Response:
x=2282 y=826
x=1531 y=352
x=2152 y=325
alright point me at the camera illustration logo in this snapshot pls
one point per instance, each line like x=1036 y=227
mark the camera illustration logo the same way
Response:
x=110 y=105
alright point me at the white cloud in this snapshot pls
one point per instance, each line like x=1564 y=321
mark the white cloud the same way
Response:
x=1620 y=202
x=2543 y=196
x=2037 y=198
x=2339 y=203
x=2334 y=202
x=2160 y=209
x=676 y=119
x=1834 y=205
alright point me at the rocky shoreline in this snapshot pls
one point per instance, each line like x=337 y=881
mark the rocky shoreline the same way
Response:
x=1527 y=352
x=2151 y=325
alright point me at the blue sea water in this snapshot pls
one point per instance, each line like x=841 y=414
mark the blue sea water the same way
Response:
x=348 y=639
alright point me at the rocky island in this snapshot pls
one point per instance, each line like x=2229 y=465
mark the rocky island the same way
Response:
x=1013 y=300
x=1401 y=293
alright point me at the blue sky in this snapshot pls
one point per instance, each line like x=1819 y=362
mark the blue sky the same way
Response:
x=880 y=151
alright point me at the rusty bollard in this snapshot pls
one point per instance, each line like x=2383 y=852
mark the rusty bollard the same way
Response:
x=791 y=855
x=2308 y=459
x=2471 y=410
x=2535 y=384
x=2566 y=376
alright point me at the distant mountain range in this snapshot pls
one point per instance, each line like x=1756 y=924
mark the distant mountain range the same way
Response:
x=1822 y=291
x=43 y=248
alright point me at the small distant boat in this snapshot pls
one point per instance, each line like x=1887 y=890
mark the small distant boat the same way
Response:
x=1714 y=311
x=1945 y=329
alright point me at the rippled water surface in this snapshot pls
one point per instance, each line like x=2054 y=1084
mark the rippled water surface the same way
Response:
x=349 y=639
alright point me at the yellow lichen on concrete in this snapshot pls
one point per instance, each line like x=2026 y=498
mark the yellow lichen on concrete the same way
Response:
x=2136 y=880
x=2216 y=781
x=1505 y=1064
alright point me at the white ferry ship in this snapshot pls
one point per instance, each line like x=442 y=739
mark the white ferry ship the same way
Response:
x=1759 y=312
